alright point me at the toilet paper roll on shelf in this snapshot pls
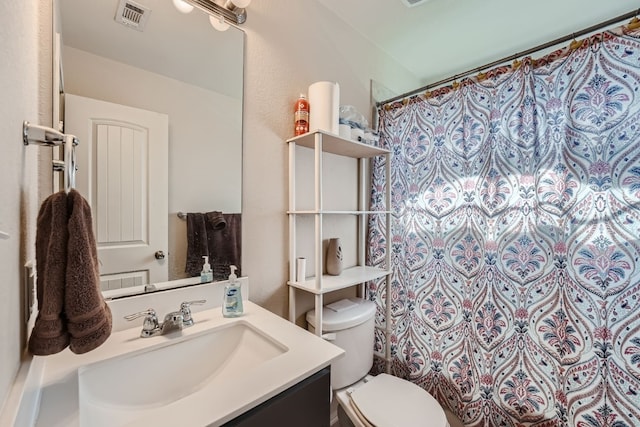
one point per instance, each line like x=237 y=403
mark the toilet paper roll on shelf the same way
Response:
x=301 y=269
x=324 y=106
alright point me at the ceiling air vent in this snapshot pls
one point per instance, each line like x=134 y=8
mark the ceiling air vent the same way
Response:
x=412 y=3
x=132 y=14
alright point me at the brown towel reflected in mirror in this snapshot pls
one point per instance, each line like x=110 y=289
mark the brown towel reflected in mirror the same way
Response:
x=218 y=236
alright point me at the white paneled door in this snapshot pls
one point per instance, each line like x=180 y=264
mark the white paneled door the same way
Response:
x=122 y=172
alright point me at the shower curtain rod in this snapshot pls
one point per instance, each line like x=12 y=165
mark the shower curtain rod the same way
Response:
x=538 y=48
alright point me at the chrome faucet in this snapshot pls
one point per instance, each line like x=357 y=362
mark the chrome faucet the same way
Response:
x=173 y=321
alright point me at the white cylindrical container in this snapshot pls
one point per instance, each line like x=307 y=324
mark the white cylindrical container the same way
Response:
x=334 y=257
x=324 y=106
x=301 y=269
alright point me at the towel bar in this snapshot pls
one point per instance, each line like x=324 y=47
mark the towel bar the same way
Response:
x=42 y=135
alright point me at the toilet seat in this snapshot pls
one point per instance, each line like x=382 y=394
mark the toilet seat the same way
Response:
x=386 y=400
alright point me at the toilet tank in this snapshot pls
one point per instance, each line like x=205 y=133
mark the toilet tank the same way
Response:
x=352 y=322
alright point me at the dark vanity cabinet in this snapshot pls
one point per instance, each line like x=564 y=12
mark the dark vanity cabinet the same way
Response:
x=304 y=404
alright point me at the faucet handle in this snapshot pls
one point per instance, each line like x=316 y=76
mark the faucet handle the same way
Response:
x=148 y=312
x=185 y=308
x=150 y=325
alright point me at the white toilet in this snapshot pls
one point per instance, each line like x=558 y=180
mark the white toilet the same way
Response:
x=365 y=400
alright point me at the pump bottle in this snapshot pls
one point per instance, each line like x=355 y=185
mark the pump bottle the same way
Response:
x=206 y=275
x=232 y=304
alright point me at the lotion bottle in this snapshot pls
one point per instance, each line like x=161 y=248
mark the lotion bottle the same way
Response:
x=206 y=275
x=232 y=304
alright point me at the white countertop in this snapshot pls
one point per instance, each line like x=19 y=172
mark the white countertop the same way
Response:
x=306 y=355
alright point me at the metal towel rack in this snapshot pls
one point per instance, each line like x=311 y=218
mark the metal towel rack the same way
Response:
x=42 y=135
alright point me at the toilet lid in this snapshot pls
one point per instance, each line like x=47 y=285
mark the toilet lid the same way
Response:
x=390 y=401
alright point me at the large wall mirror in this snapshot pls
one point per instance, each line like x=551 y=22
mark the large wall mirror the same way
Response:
x=178 y=83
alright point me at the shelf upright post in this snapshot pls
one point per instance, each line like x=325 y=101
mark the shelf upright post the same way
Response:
x=318 y=153
x=362 y=219
x=389 y=209
x=292 y=230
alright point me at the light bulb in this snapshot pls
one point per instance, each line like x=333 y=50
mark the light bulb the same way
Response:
x=182 y=6
x=218 y=22
x=241 y=3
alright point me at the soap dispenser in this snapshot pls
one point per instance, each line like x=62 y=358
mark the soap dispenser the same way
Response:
x=232 y=304
x=206 y=275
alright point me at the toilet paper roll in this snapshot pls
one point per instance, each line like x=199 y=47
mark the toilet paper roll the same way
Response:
x=301 y=266
x=324 y=106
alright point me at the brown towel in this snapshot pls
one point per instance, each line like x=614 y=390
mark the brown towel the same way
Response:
x=218 y=236
x=88 y=315
x=225 y=247
x=197 y=246
x=50 y=335
x=216 y=220
x=72 y=310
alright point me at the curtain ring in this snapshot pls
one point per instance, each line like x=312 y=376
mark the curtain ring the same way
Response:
x=516 y=64
x=634 y=24
x=576 y=44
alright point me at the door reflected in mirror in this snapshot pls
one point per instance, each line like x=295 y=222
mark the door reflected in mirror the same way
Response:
x=178 y=67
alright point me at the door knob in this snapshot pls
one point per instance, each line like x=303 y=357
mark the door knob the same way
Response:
x=159 y=255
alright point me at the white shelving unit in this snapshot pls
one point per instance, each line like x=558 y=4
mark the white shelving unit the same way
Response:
x=319 y=284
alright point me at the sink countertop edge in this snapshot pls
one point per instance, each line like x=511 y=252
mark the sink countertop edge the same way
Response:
x=306 y=355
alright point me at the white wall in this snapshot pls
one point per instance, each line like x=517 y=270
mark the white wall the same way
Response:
x=440 y=38
x=466 y=34
x=21 y=95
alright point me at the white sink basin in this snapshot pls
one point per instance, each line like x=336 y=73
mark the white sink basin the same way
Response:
x=134 y=383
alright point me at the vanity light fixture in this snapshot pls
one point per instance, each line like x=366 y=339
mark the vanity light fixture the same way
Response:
x=223 y=11
x=412 y=3
x=182 y=6
x=241 y=3
x=218 y=22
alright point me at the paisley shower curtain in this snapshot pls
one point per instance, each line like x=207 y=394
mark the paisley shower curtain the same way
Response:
x=515 y=240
